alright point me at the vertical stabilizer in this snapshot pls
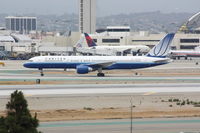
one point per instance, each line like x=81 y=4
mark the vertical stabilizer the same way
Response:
x=163 y=47
x=89 y=40
x=80 y=43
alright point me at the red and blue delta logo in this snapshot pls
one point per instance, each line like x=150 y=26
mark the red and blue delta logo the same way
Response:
x=89 y=41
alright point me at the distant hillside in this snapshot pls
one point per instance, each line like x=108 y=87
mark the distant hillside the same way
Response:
x=151 y=21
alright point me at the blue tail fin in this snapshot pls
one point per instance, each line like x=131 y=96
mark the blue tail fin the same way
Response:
x=162 y=48
x=89 y=40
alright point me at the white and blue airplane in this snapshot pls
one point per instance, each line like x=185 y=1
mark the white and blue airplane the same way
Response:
x=85 y=64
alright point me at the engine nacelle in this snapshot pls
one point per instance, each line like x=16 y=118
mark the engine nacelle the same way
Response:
x=83 y=69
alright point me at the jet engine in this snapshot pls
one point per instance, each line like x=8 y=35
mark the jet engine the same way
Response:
x=83 y=69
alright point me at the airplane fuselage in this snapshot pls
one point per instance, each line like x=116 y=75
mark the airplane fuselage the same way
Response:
x=185 y=53
x=136 y=48
x=116 y=62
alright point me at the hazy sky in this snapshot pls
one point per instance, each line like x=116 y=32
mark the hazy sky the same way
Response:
x=104 y=7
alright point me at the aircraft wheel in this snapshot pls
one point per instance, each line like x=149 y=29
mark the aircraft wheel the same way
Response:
x=41 y=72
x=100 y=74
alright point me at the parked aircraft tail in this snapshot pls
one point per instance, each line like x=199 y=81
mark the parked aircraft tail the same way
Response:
x=80 y=43
x=89 y=40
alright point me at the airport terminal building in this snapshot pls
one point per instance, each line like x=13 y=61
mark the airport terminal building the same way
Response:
x=21 y=24
x=187 y=38
x=122 y=35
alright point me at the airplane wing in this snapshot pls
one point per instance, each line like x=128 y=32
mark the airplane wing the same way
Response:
x=100 y=64
x=163 y=61
x=127 y=50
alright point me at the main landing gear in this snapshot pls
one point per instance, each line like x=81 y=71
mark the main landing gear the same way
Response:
x=100 y=74
x=41 y=72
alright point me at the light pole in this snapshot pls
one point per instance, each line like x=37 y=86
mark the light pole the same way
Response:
x=131 y=128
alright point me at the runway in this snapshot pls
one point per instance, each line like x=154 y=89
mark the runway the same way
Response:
x=164 y=125
x=87 y=89
x=89 y=77
x=60 y=91
x=176 y=72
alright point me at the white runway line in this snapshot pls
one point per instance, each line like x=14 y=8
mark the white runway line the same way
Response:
x=62 y=90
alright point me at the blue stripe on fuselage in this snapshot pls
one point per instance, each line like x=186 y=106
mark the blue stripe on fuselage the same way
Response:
x=59 y=65
x=49 y=65
x=132 y=65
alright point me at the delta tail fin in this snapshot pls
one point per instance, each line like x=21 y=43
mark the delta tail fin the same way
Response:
x=162 y=48
x=89 y=40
